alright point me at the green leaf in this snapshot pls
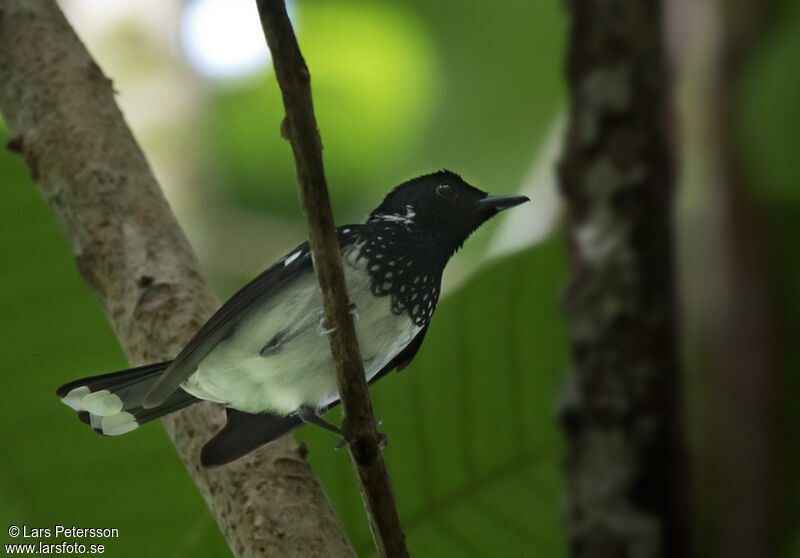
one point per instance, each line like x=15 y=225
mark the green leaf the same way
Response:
x=768 y=112
x=473 y=445
x=52 y=469
x=480 y=87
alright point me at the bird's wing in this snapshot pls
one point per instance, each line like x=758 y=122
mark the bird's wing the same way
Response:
x=225 y=320
x=404 y=357
x=244 y=432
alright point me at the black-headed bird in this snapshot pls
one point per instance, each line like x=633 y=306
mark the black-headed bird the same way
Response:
x=265 y=354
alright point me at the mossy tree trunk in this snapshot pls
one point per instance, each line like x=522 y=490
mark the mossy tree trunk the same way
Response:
x=625 y=462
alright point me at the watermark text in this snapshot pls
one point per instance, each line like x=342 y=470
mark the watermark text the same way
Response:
x=58 y=539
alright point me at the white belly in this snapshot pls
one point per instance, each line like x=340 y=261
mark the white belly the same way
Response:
x=301 y=371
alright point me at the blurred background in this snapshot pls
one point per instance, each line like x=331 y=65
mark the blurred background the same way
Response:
x=403 y=89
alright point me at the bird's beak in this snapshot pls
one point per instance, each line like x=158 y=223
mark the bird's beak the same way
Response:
x=499 y=203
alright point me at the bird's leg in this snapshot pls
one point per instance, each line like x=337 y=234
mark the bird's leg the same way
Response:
x=308 y=416
x=354 y=311
x=382 y=441
x=322 y=326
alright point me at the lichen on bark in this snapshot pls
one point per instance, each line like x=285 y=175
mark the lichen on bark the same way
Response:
x=621 y=412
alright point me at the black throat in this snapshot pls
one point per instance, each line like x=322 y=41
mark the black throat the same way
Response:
x=404 y=265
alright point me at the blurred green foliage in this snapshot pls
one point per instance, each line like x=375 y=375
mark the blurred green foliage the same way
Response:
x=374 y=88
x=473 y=449
x=52 y=329
x=401 y=89
x=769 y=112
x=473 y=453
x=768 y=122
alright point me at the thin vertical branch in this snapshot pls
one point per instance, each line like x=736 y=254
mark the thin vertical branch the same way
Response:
x=132 y=253
x=622 y=416
x=359 y=429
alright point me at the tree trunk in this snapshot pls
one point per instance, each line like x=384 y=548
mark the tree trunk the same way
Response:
x=622 y=411
x=133 y=255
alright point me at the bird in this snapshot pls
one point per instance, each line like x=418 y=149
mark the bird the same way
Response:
x=265 y=355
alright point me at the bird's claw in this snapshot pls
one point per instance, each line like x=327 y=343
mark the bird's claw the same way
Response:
x=382 y=441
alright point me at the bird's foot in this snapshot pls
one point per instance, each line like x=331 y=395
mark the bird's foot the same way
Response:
x=382 y=440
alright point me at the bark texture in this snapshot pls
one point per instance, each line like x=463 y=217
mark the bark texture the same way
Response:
x=625 y=462
x=132 y=253
x=358 y=424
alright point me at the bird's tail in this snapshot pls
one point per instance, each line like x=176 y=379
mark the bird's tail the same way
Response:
x=112 y=403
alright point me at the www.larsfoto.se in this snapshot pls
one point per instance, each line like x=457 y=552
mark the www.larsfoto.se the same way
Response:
x=64 y=547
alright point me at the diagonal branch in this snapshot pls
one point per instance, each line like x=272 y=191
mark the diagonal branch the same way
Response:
x=131 y=251
x=359 y=428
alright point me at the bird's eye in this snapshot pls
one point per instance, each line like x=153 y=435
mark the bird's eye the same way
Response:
x=445 y=191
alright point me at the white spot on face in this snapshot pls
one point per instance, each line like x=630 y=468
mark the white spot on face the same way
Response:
x=291 y=258
x=345 y=230
x=407 y=219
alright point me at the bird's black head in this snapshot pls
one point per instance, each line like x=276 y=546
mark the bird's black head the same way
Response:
x=440 y=209
x=411 y=235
